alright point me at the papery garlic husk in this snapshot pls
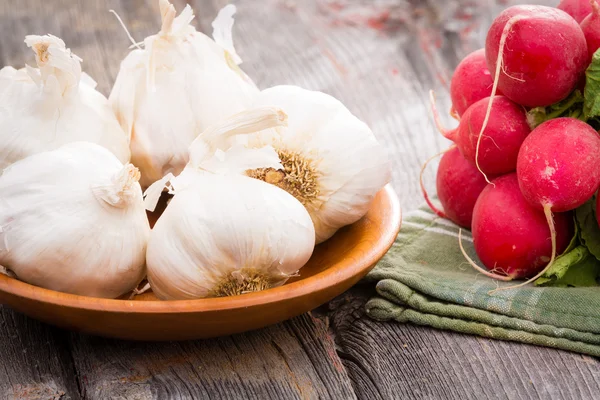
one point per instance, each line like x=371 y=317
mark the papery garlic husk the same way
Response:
x=73 y=220
x=332 y=162
x=223 y=233
x=174 y=88
x=56 y=103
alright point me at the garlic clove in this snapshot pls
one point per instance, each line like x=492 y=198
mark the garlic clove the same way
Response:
x=332 y=162
x=227 y=235
x=72 y=220
x=175 y=87
x=53 y=104
x=224 y=233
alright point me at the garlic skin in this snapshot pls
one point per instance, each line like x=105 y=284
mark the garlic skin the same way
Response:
x=224 y=233
x=227 y=235
x=171 y=90
x=332 y=162
x=43 y=108
x=73 y=220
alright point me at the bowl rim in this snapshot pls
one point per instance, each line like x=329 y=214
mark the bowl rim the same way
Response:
x=330 y=277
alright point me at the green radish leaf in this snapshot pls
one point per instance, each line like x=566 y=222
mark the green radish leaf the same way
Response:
x=577 y=268
x=589 y=231
x=572 y=106
x=563 y=263
x=591 y=104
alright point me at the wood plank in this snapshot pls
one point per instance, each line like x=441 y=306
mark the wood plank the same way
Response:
x=296 y=360
x=35 y=360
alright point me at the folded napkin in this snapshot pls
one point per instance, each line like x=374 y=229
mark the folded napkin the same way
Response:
x=424 y=279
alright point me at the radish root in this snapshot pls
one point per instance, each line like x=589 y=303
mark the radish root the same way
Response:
x=550 y=220
x=436 y=210
x=595 y=7
x=511 y=22
x=436 y=118
x=477 y=267
x=454 y=114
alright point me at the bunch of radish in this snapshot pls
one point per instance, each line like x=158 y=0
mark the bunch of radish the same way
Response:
x=526 y=152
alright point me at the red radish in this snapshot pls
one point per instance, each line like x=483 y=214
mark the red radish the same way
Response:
x=537 y=53
x=557 y=171
x=470 y=82
x=578 y=9
x=511 y=236
x=495 y=152
x=558 y=164
x=458 y=185
x=591 y=30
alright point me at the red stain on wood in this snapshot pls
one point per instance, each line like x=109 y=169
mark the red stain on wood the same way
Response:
x=381 y=18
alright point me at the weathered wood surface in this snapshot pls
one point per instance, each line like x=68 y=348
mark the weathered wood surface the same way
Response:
x=380 y=58
x=296 y=360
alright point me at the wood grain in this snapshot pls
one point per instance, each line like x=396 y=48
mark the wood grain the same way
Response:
x=381 y=69
x=35 y=360
x=292 y=361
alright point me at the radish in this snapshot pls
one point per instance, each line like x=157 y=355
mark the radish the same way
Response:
x=458 y=185
x=538 y=54
x=470 y=82
x=495 y=152
x=591 y=30
x=511 y=236
x=557 y=171
x=558 y=164
x=578 y=9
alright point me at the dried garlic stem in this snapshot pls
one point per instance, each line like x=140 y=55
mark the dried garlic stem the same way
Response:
x=298 y=177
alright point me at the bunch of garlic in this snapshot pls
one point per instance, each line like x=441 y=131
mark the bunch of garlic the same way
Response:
x=223 y=233
x=176 y=86
x=73 y=220
x=331 y=161
x=56 y=103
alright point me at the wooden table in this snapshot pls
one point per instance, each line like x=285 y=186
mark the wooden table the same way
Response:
x=380 y=58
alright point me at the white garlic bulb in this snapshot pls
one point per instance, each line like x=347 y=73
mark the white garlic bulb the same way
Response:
x=224 y=233
x=332 y=162
x=73 y=220
x=179 y=84
x=43 y=108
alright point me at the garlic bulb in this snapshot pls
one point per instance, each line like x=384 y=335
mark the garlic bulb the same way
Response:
x=332 y=162
x=73 y=220
x=180 y=83
x=43 y=108
x=223 y=233
x=226 y=235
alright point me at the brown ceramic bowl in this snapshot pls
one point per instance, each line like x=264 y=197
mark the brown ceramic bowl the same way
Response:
x=335 y=266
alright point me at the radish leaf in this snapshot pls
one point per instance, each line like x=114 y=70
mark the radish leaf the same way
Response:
x=577 y=268
x=589 y=230
x=591 y=104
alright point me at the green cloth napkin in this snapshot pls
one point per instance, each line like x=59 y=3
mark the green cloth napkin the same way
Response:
x=424 y=279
